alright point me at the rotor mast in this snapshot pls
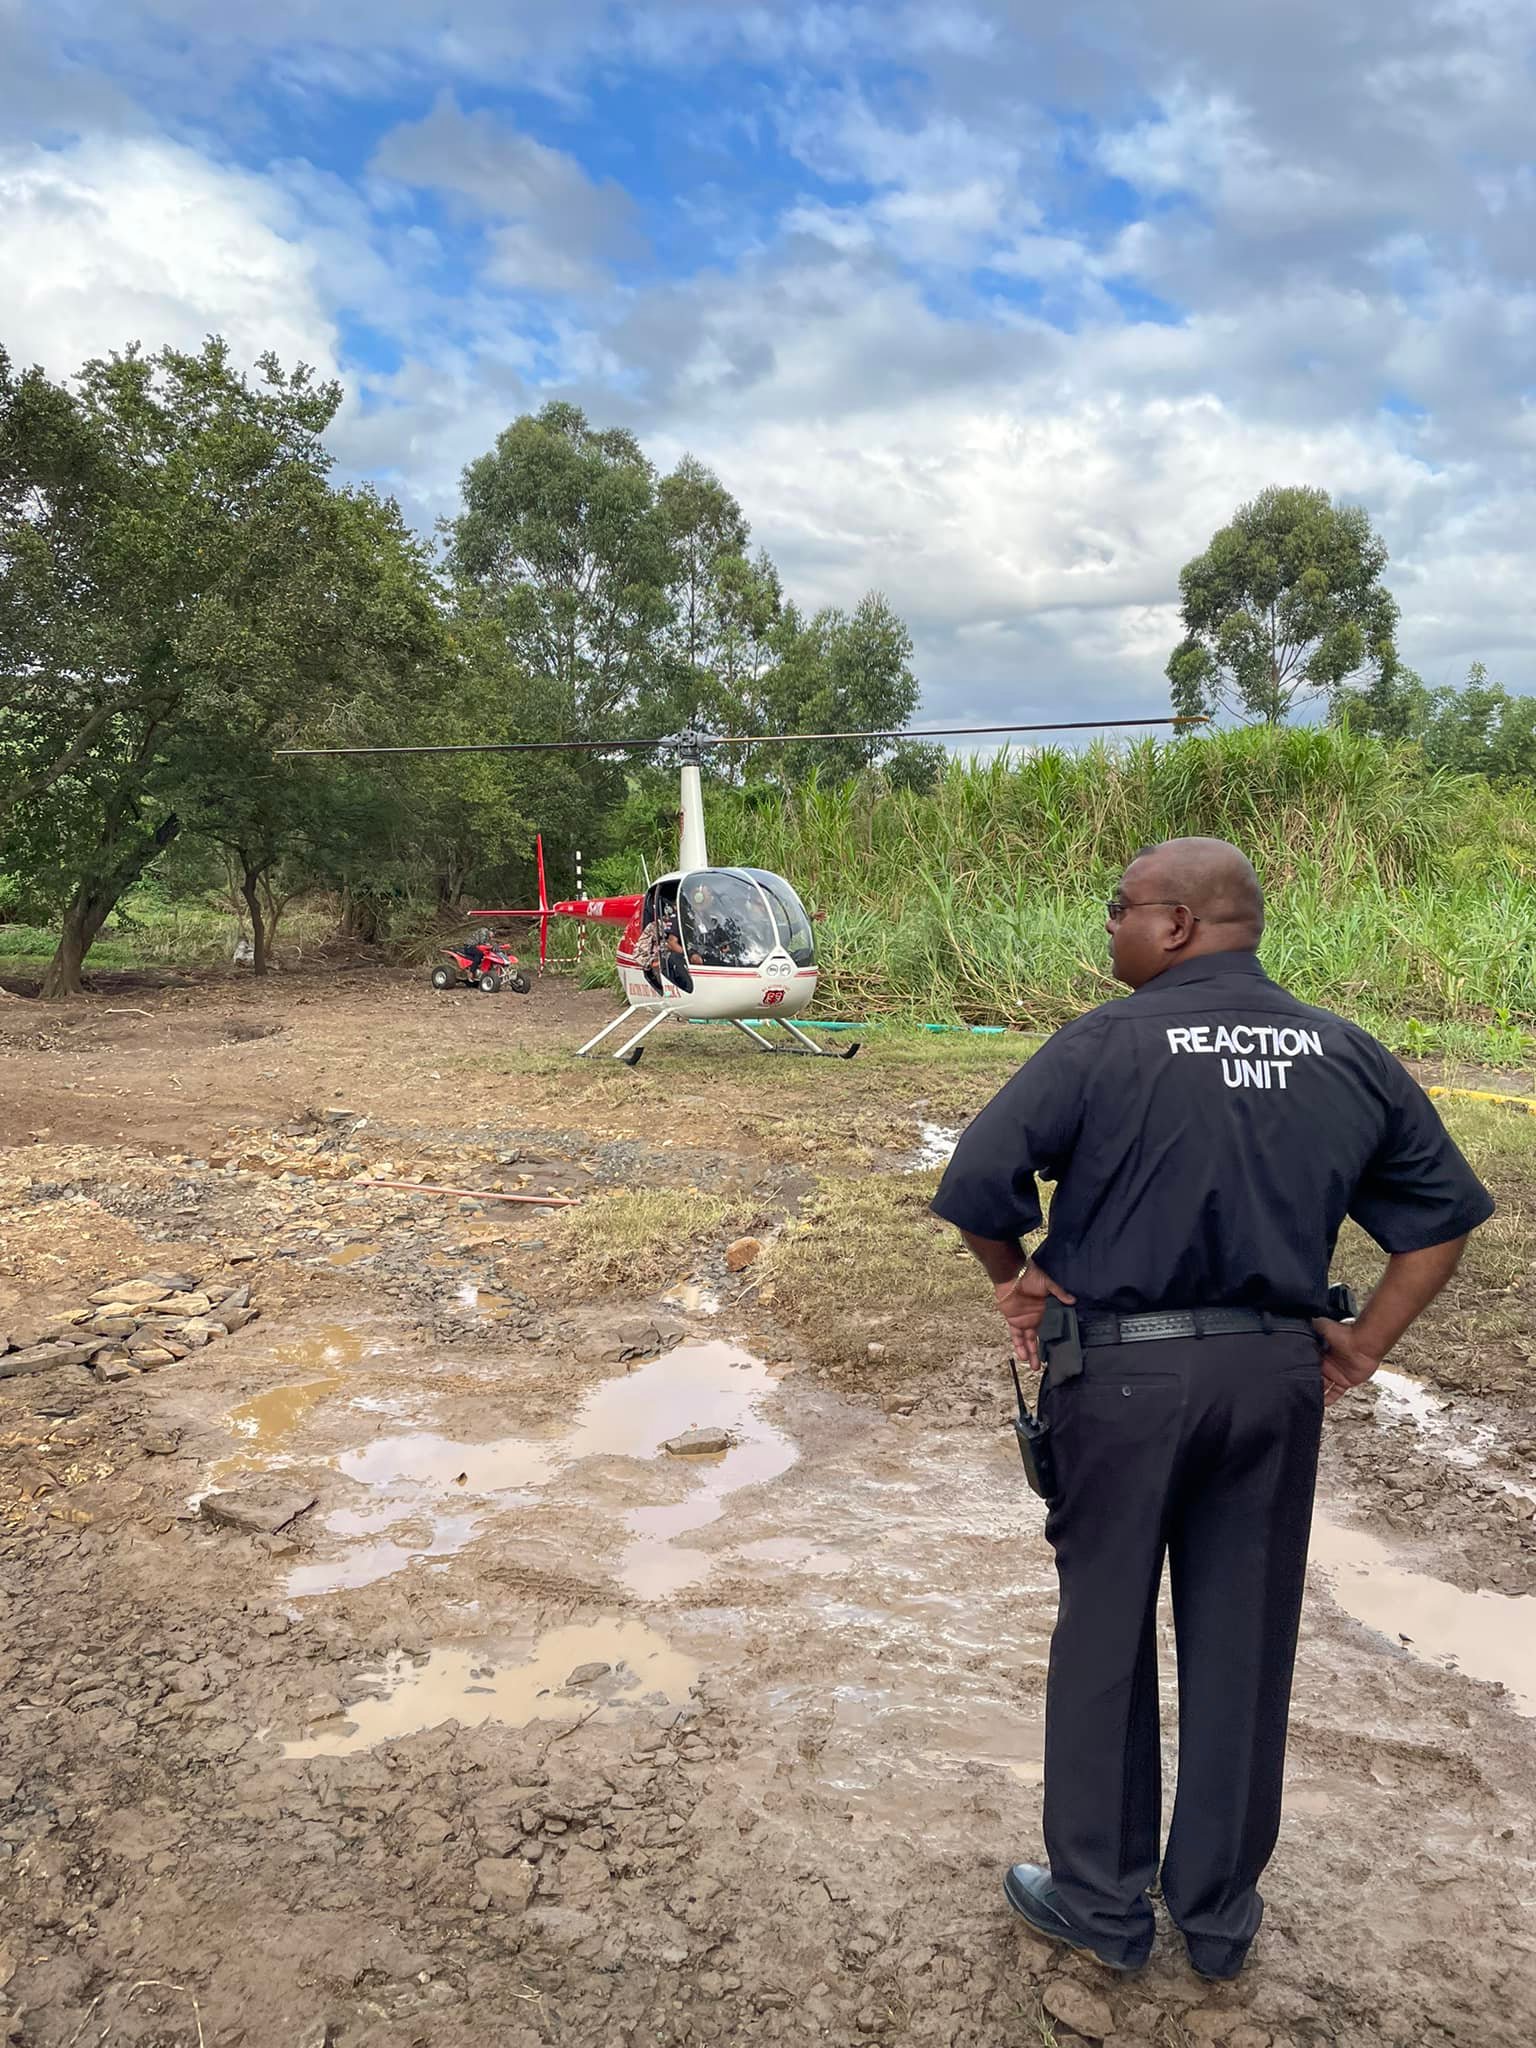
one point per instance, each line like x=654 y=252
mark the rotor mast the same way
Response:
x=692 y=852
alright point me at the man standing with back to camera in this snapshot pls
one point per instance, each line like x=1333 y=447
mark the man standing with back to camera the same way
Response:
x=1207 y=1138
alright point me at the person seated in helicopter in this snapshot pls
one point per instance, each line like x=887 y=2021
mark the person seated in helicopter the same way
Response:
x=722 y=944
x=717 y=940
x=674 y=959
x=659 y=949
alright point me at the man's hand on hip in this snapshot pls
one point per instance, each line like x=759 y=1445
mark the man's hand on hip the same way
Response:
x=1346 y=1361
x=1021 y=1302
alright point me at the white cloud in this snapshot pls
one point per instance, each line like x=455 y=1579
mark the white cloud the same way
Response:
x=115 y=240
x=1337 y=217
x=559 y=223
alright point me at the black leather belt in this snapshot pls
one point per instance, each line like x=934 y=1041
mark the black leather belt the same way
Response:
x=1189 y=1322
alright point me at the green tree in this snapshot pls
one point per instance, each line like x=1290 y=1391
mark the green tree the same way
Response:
x=200 y=593
x=561 y=524
x=62 y=676
x=1481 y=729
x=1285 y=604
x=840 y=673
x=704 y=528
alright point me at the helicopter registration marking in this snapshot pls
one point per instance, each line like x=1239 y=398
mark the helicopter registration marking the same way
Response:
x=773 y=995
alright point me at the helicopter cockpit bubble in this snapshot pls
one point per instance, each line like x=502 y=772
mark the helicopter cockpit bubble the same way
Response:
x=726 y=921
x=789 y=915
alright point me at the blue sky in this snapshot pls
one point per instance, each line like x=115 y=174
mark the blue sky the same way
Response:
x=998 y=308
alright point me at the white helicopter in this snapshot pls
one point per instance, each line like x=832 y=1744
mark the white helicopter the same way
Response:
x=706 y=942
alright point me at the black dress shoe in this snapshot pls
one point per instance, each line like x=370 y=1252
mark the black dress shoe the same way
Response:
x=1217 y=1961
x=1032 y=1895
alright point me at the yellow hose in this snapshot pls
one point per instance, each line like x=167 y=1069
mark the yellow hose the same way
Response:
x=1525 y=1102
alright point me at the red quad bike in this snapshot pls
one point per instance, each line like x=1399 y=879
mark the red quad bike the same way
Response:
x=485 y=967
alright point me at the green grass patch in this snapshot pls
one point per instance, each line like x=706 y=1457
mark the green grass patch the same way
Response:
x=865 y=1262
x=644 y=1237
x=148 y=932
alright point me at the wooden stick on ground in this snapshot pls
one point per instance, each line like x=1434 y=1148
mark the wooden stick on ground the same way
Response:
x=417 y=1187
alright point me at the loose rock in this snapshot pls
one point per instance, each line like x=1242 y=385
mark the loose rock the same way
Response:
x=1078 y=2008
x=699 y=1443
x=259 y=1510
x=40 y=1358
x=200 y=1330
x=741 y=1254
x=507 y=1881
x=137 y=1293
x=588 y=1674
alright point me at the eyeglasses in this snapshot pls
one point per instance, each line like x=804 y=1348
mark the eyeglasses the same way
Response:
x=1117 y=906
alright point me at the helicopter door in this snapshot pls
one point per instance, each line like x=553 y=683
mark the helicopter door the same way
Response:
x=663 y=958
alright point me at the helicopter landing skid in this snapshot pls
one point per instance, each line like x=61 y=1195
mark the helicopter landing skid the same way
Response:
x=803 y=1045
x=633 y=1046
x=629 y=1052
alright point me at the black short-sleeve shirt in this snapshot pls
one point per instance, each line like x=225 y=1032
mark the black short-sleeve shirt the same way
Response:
x=1207 y=1136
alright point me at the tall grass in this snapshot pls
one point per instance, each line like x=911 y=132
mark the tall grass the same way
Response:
x=1404 y=897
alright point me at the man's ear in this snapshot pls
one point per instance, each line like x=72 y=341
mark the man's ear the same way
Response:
x=1181 y=926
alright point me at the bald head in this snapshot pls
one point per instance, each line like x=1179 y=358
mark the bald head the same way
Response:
x=1184 y=898
x=1216 y=881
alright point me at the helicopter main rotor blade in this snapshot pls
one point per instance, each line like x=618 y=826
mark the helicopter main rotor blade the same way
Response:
x=767 y=739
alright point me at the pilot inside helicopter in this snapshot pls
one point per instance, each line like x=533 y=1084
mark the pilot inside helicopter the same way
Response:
x=725 y=922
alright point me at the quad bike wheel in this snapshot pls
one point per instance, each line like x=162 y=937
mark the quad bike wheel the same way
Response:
x=519 y=984
x=442 y=977
x=488 y=983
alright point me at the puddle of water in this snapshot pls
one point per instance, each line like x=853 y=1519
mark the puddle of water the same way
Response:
x=700 y=1385
x=795 y=1550
x=1491 y=1636
x=465 y=1686
x=439 y=1461
x=263 y=1422
x=939 y=1727
x=331 y=1346
x=710 y=1385
x=1327 y=1796
x=693 y=1297
x=349 y=1254
x=935 y=1145
x=267 y=1418
x=364 y=1564
x=1450 y=1428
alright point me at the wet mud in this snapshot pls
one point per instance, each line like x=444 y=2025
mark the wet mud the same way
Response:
x=532 y=1731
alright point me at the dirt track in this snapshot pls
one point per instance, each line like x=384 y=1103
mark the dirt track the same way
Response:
x=337 y=1784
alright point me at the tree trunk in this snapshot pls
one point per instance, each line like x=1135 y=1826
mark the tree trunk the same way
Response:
x=361 y=919
x=94 y=901
x=250 y=889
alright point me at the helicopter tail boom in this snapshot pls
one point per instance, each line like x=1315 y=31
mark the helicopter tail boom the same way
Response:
x=603 y=909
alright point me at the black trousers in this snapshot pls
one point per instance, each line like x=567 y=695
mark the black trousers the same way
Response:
x=1203 y=1451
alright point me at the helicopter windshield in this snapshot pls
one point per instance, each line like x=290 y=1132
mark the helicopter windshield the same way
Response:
x=725 y=921
x=789 y=915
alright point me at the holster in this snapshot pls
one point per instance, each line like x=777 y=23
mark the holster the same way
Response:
x=1034 y=1443
x=1061 y=1343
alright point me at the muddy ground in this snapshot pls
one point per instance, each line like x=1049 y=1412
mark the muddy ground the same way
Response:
x=521 y=1729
